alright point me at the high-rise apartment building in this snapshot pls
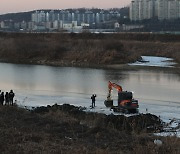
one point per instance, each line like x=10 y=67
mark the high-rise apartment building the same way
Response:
x=147 y=9
x=93 y=18
x=162 y=9
x=35 y=17
x=51 y=16
x=141 y=9
x=173 y=7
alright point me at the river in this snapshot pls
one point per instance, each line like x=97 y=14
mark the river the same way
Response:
x=35 y=85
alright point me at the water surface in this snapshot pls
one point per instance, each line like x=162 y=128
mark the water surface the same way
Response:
x=42 y=85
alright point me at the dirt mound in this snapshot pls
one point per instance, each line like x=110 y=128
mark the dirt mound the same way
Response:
x=69 y=129
x=137 y=123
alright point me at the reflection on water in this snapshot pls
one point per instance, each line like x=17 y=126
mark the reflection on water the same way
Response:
x=146 y=84
x=46 y=78
x=155 y=85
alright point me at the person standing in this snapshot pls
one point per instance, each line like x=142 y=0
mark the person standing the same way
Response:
x=11 y=96
x=2 y=98
x=7 y=98
x=93 y=98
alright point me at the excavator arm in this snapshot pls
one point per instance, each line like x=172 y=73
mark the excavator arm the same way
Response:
x=113 y=85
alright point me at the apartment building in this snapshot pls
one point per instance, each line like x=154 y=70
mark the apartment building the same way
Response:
x=87 y=16
x=147 y=9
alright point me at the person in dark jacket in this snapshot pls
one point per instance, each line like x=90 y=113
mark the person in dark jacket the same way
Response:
x=2 y=98
x=93 y=98
x=11 y=96
x=7 y=98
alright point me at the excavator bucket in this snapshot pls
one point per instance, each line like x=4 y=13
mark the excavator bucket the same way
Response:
x=108 y=103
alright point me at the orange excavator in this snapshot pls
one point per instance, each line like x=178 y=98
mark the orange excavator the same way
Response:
x=126 y=102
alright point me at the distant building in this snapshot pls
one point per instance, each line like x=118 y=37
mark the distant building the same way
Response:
x=30 y=25
x=39 y=27
x=23 y=25
x=47 y=17
x=173 y=9
x=147 y=9
x=51 y=16
x=17 y=25
x=162 y=9
x=49 y=25
x=2 y=24
x=34 y=17
x=87 y=16
x=41 y=16
x=7 y=24
x=116 y=25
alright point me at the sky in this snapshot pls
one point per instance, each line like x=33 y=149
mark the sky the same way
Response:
x=13 y=6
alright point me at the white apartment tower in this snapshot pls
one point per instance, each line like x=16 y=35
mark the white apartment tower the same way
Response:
x=134 y=10
x=35 y=16
x=150 y=9
x=173 y=7
x=146 y=9
x=162 y=9
x=141 y=9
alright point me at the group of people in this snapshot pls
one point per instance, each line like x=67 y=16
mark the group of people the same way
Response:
x=6 y=98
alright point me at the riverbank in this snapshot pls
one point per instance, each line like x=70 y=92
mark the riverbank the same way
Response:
x=86 y=49
x=67 y=129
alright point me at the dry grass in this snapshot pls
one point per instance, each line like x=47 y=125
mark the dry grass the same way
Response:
x=66 y=129
x=168 y=49
x=85 y=49
x=32 y=48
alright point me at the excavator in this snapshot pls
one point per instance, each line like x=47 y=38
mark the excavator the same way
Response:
x=126 y=103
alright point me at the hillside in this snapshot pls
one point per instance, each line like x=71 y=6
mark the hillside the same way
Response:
x=17 y=17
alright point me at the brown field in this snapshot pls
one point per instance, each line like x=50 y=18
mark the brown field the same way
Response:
x=85 y=49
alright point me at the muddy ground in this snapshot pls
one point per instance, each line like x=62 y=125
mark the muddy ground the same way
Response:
x=69 y=129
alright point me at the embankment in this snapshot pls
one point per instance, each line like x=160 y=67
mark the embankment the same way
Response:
x=85 y=49
x=68 y=129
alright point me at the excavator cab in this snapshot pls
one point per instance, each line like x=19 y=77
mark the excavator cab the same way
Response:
x=124 y=95
x=126 y=103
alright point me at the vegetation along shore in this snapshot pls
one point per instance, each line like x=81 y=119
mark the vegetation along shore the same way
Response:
x=85 y=49
x=69 y=129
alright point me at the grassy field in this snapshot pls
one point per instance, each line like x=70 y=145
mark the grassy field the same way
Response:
x=68 y=129
x=85 y=49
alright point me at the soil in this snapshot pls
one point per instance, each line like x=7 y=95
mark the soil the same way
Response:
x=69 y=129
